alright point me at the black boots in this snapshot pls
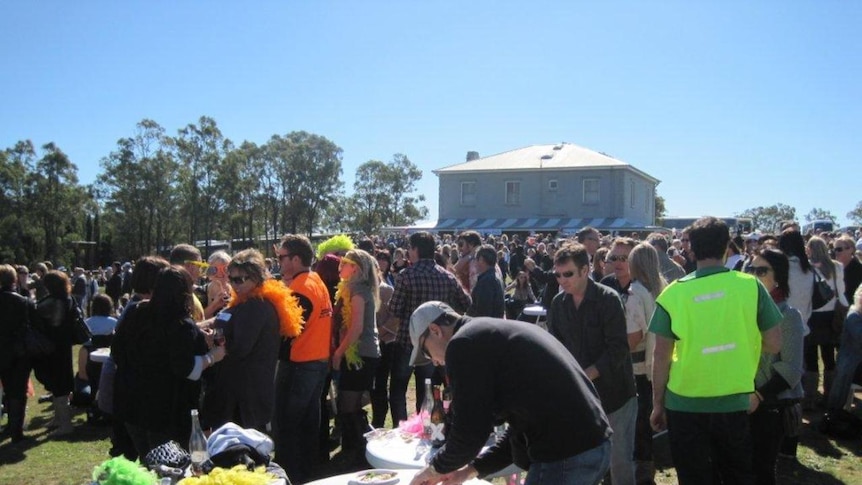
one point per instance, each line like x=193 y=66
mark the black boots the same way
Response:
x=16 y=411
x=352 y=454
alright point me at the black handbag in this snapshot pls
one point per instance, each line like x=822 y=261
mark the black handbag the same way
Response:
x=80 y=331
x=36 y=344
x=822 y=293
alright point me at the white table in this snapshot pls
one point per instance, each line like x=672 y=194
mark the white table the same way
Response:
x=100 y=355
x=396 y=450
x=404 y=477
x=537 y=311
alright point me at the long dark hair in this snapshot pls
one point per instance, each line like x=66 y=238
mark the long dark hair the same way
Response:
x=780 y=268
x=172 y=294
x=791 y=243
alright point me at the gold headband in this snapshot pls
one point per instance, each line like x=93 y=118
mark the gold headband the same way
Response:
x=345 y=259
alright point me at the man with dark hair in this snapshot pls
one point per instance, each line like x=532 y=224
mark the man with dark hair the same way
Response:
x=488 y=299
x=589 y=319
x=465 y=268
x=710 y=326
x=591 y=239
x=423 y=281
x=303 y=364
x=620 y=278
x=669 y=268
x=114 y=286
x=189 y=257
x=513 y=372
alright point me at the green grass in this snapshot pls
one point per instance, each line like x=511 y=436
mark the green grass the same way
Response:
x=71 y=459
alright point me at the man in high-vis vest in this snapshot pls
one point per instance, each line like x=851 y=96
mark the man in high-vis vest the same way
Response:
x=710 y=327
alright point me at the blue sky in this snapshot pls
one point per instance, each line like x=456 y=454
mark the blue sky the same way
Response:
x=731 y=105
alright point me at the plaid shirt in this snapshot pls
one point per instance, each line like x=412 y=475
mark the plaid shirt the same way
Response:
x=424 y=281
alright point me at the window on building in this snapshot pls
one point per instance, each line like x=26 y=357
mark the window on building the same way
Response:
x=553 y=185
x=591 y=191
x=468 y=193
x=632 y=196
x=513 y=192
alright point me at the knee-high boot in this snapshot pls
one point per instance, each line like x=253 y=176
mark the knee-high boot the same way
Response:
x=62 y=416
x=17 y=408
x=809 y=386
x=828 y=379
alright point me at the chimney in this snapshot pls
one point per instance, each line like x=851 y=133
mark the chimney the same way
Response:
x=472 y=156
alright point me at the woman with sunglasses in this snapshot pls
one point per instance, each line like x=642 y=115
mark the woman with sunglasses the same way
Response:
x=775 y=410
x=261 y=311
x=823 y=336
x=358 y=351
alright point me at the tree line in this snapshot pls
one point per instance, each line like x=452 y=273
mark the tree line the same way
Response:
x=768 y=218
x=155 y=190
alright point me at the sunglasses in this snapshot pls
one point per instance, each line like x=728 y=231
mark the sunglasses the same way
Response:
x=564 y=274
x=758 y=270
x=238 y=280
x=621 y=258
x=841 y=249
x=685 y=240
x=282 y=256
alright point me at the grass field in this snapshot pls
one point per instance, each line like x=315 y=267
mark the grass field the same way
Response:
x=70 y=460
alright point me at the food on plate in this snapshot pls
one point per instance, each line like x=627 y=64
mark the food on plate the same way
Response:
x=377 y=477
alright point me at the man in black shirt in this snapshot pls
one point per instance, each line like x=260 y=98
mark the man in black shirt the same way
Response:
x=513 y=372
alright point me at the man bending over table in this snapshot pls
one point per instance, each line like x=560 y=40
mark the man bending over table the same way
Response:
x=513 y=372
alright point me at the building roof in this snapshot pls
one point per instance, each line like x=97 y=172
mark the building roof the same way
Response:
x=566 y=224
x=563 y=156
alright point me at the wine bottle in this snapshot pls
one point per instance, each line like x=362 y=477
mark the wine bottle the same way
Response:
x=426 y=410
x=197 y=445
x=438 y=421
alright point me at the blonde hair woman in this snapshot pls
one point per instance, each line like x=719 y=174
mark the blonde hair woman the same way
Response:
x=218 y=290
x=822 y=335
x=647 y=284
x=358 y=351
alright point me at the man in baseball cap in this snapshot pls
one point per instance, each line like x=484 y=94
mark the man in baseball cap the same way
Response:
x=514 y=372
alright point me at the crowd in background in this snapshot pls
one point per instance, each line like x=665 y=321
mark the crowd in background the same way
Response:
x=257 y=340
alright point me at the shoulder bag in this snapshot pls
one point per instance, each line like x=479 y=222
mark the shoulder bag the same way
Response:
x=36 y=344
x=80 y=332
x=821 y=293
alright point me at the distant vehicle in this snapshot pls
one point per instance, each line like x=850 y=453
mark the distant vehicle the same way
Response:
x=818 y=226
x=737 y=225
x=849 y=230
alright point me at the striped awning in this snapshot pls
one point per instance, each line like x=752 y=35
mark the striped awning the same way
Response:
x=539 y=224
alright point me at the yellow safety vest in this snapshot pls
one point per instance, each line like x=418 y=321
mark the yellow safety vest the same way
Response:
x=715 y=319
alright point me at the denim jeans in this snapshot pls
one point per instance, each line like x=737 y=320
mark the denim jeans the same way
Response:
x=297 y=415
x=623 y=422
x=711 y=447
x=587 y=468
x=849 y=359
x=401 y=371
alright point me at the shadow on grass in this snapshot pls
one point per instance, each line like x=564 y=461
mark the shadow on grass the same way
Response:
x=37 y=434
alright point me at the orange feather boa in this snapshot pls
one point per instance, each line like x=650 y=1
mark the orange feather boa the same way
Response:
x=282 y=298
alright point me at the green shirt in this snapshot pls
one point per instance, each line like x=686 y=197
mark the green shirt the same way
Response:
x=768 y=315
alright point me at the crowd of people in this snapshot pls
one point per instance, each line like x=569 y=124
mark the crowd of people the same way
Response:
x=717 y=339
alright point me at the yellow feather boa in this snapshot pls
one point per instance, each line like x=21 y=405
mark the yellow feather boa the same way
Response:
x=342 y=295
x=281 y=297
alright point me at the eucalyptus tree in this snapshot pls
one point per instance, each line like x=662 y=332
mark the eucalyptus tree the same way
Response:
x=307 y=168
x=139 y=187
x=200 y=149
x=371 y=200
x=400 y=180
x=18 y=241
x=58 y=202
x=240 y=181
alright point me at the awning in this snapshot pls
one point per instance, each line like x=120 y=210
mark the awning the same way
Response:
x=539 y=224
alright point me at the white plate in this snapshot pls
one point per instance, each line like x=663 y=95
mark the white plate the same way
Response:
x=364 y=478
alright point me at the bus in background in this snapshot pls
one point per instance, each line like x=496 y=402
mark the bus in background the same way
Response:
x=737 y=225
x=818 y=226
